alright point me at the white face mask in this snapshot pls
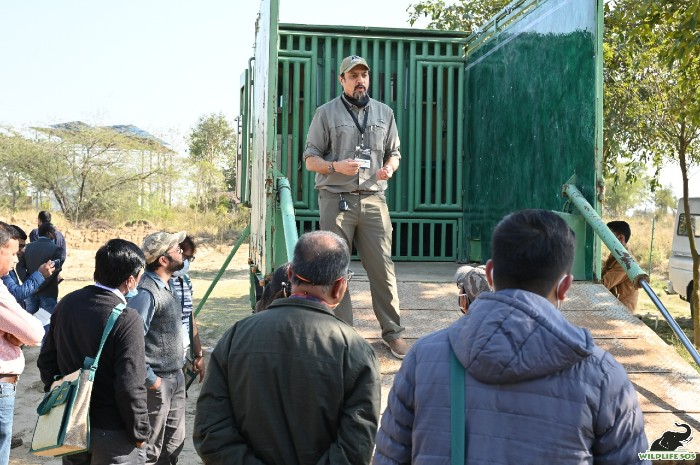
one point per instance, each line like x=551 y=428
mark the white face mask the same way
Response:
x=558 y=285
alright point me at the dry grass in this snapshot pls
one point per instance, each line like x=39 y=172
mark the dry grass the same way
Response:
x=208 y=227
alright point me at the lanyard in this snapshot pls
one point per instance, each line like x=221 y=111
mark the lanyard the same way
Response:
x=354 y=118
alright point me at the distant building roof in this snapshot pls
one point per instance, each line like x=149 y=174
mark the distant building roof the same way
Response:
x=136 y=132
x=126 y=129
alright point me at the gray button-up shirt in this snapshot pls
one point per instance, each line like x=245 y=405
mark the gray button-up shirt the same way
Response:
x=334 y=136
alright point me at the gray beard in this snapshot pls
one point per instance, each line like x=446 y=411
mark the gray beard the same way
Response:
x=359 y=94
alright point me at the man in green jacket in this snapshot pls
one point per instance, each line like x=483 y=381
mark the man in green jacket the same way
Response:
x=293 y=384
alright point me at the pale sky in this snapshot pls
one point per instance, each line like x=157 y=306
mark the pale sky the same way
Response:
x=156 y=64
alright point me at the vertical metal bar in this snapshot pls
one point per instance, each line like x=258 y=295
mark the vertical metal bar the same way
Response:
x=398 y=238
x=245 y=131
x=439 y=153
x=283 y=102
x=296 y=101
x=599 y=116
x=244 y=235
x=400 y=204
x=443 y=240
x=413 y=110
x=421 y=239
x=310 y=95
x=463 y=177
x=431 y=239
x=417 y=128
x=429 y=136
x=450 y=153
x=340 y=53
x=326 y=72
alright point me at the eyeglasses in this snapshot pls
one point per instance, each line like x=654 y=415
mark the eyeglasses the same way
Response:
x=22 y=246
x=346 y=277
x=188 y=257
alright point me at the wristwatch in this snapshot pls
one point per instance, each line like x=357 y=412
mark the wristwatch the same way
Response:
x=331 y=168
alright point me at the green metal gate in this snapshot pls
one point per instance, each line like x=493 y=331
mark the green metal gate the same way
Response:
x=416 y=73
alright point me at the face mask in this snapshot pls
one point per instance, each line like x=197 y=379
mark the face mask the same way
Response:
x=185 y=269
x=559 y=284
x=131 y=293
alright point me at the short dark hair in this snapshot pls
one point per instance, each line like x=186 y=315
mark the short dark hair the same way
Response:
x=116 y=261
x=44 y=216
x=275 y=288
x=320 y=258
x=20 y=232
x=45 y=229
x=188 y=242
x=531 y=250
x=621 y=227
x=7 y=233
x=153 y=266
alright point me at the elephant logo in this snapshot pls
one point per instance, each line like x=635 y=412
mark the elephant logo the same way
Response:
x=672 y=440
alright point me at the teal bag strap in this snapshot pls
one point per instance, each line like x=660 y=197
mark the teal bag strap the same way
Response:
x=91 y=363
x=458 y=425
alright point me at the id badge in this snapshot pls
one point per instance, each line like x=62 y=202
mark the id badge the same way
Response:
x=364 y=158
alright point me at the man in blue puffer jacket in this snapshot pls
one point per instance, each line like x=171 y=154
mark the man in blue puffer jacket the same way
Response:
x=537 y=388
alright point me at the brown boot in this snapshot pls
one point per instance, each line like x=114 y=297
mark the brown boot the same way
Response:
x=398 y=347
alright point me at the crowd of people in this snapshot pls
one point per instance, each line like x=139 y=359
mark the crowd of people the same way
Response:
x=138 y=403
x=294 y=383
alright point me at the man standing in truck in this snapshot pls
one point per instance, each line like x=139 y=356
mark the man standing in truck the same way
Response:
x=353 y=147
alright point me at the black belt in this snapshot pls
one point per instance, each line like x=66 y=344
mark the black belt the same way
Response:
x=359 y=192
x=12 y=379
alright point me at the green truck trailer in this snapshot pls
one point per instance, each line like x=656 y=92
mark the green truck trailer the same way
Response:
x=490 y=122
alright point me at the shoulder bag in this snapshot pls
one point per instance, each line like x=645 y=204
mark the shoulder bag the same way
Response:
x=457 y=420
x=63 y=426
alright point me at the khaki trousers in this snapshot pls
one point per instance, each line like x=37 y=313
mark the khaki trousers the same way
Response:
x=368 y=225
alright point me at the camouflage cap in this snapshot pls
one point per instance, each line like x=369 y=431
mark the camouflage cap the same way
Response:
x=350 y=62
x=157 y=244
x=473 y=280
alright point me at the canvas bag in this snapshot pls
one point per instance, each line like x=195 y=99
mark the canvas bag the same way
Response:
x=63 y=426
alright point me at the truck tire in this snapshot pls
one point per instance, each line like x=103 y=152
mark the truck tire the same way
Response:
x=689 y=296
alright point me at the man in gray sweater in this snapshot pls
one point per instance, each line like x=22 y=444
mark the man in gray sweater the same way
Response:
x=162 y=315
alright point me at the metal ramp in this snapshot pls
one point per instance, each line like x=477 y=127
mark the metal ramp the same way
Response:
x=666 y=384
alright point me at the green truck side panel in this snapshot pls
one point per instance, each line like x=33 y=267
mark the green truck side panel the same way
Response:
x=531 y=115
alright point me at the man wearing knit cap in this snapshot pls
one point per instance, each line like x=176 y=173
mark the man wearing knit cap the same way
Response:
x=162 y=315
x=353 y=147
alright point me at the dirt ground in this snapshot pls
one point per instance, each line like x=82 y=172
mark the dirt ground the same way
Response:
x=226 y=303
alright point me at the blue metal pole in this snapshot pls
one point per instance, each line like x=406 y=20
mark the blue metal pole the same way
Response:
x=671 y=322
